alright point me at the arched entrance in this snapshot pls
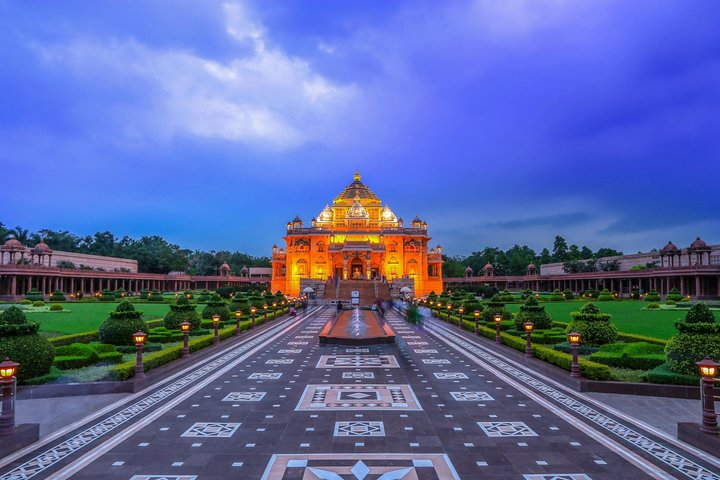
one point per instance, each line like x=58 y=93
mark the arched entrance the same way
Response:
x=357 y=269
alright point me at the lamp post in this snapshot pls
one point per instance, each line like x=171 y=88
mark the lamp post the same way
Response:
x=476 y=314
x=7 y=378
x=265 y=308
x=274 y=310
x=139 y=338
x=574 y=339
x=497 y=318
x=438 y=304
x=216 y=324
x=708 y=370
x=461 y=310
x=449 y=309
x=185 y=328
x=238 y=315
x=252 y=315
x=528 y=339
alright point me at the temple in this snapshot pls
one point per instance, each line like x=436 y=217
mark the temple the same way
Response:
x=357 y=238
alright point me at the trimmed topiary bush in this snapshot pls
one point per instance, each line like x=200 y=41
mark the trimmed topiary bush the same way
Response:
x=21 y=342
x=181 y=312
x=56 y=307
x=107 y=296
x=507 y=297
x=670 y=303
x=38 y=303
x=216 y=305
x=34 y=295
x=674 y=295
x=699 y=337
x=653 y=306
x=534 y=312
x=119 y=328
x=606 y=296
x=556 y=296
x=26 y=302
x=568 y=294
x=595 y=327
x=58 y=296
x=225 y=291
x=495 y=305
x=652 y=296
x=143 y=294
x=204 y=296
x=155 y=296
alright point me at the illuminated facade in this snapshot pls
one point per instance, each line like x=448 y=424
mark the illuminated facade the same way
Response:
x=357 y=238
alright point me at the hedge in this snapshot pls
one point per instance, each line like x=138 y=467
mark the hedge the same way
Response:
x=126 y=370
x=625 y=360
x=588 y=369
x=631 y=337
x=663 y=374
x=82 y=337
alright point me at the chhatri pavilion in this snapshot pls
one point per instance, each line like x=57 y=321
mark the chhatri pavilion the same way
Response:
x=357 y=238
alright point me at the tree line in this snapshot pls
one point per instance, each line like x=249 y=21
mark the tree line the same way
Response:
x=154 y=254
x=514 y=261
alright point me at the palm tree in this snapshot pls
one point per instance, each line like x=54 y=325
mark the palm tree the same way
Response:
x=4 y=233
x=22 y=235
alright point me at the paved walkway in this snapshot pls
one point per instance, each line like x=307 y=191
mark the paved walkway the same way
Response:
x=440 y=404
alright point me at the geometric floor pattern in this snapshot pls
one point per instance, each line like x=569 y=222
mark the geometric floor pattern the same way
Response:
x=387 y=411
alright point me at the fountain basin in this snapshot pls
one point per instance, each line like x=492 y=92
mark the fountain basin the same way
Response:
x=357 y=327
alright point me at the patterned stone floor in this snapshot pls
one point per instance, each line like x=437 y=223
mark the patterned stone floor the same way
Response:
x=439 y=404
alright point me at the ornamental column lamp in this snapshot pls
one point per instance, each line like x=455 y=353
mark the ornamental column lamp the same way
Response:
x=252 y=314
x=574 y=339
x=216 y=324
x=708 y=369
x=461 y=310
x=274 y=310
x=528 y=339
x=476 y=314
x=238 y=315
x=185 y=328
x=449 y=309
x=139 y=338
x=439 y=306
x=497 y=318
x=265 y=308
x=8 y=368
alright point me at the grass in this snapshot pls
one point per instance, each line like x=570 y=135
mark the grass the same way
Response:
x=628 y=316
x=84 y=317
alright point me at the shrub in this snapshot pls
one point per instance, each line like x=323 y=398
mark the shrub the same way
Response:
x=225 y=291
x=76 y=355
x=652 y=296
x=58 y=296
x=155 y=296
x=143 y=294
x=34 y=294
x=590 y=294
x=56 y=307
x=663 y=374
x=636 y=356
x=20 y=342
x=674 y=295
x=38 y=303
x=670 y=303
x=204 y=296
x=181 y=312
x=556 y=296
x=653 y=306
x=606 y=296
x=83 y=337
x=595 y=327
x=216 y=305
x=495 y=305
x=26 y=302
x=699 y=337
x=568 y=294
x=107 y=296
x=534 y=312
x=507 y=297
x=119 y=328
x=163 y=335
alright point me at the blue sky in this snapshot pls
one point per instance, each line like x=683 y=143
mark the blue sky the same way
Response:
x=498 y=122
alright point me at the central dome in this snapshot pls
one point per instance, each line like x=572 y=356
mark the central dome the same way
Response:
x=357 y=190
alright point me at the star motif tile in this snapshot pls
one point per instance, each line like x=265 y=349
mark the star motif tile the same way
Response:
x=425 y=350
x=244 y=397
x=358 y=397
x=506 y=429
x=290 y=351
x=450 y=375
x=436 y=361
x=211 y=429
x=358 y=375
x=279 y=361
x=359 y=429
x=357 y=361
x=265 y=376
x=471 y=396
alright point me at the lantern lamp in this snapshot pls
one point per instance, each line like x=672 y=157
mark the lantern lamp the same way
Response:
x=528 y=326
x=574 y=338
x=8 y=368
x=708 y=368
x=139 y=338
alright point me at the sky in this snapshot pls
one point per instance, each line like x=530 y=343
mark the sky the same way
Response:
x=496 y=121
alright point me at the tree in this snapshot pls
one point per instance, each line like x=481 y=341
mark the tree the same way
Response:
x=607 y=252
x=560 y=249
x=544 y=257
x=586 y=253
x=4 y=233
x=20 y=234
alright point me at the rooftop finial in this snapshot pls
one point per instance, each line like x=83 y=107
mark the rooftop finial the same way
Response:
x=356 y=177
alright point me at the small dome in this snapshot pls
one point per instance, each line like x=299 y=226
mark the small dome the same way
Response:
x=42 y=247
x=469 y=269
x=488 y=267
x=531 y=266
x=326 y=215
x=297 y=219
x=416 y=219
x=245 y=269
x=698 y=244
x=670 y=248
x=387 y=215
x=357 y=210
x=13 y=243
x=224 y=266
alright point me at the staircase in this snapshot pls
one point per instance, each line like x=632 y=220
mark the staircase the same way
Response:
x=365 y=288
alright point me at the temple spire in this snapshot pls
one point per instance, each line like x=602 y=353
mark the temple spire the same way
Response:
x=356 y=177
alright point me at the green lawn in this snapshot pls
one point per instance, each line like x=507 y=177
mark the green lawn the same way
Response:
x=628 y=316
x=84 y=317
